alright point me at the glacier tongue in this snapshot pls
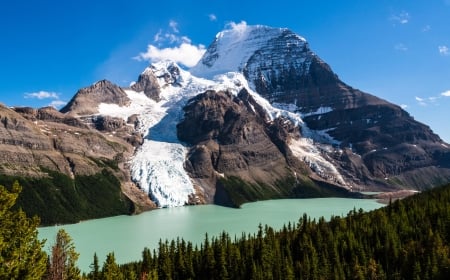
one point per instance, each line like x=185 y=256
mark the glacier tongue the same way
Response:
x=158 y=168
x=157 y=165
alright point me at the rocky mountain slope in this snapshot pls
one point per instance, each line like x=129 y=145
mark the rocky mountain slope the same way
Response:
x=261 y=116
x=69 y=171
x=376 y=144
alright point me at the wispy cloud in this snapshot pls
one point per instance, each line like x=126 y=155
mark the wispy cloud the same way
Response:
x=404 y=106
x=212 y=17
x=401 y=47
x=425 y=101
x=171 y=46
x=401 y=18
x=57 y=103
x=421 y=101
x=41 y=95
x=444 y=50
x=174 y=25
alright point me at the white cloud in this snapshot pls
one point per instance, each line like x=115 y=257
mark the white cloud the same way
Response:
x=186 y=54
x=404 y=106
x=174 y=25
x=421 y=101
x=446 y=93
x=212 y=17
x=239 y=27
x=444 y=50
x=401 y=47
x=402 y=18
x=171 y=46
x=42 y=95
x=57 y=103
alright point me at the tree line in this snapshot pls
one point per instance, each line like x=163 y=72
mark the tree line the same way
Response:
x=408 y=239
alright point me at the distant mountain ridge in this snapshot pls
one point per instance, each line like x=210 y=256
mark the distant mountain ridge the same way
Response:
x=260 y=116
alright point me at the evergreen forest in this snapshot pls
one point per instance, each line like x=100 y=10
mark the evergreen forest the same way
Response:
x=407 y=239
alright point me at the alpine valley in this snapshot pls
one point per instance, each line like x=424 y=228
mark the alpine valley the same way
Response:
x=260 y=116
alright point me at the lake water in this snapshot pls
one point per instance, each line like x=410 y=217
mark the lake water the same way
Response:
x=127 y=236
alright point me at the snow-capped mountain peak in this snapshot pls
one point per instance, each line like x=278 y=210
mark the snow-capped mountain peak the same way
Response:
x=232 y=48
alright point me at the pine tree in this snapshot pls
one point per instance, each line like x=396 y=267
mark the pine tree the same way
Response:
x=95 y=269
x=146 y=261
x=63 y=259
x=21 y=255
x=110 y=270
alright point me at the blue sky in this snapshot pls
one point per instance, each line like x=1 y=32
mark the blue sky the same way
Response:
x=398 y=50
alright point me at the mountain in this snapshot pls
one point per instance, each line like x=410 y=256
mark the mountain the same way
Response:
x=375 y=144
x=260 y=116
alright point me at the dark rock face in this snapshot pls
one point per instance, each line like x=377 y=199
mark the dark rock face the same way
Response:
x=148 y=83
x=287 y=71
x=86 y=100
x=230 y=137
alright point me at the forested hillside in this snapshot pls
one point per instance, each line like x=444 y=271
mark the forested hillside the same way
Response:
x=409 y=239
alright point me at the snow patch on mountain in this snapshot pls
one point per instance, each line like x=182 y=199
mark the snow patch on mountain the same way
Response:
x=140 y=105
x=306 y=151
x=319 y=111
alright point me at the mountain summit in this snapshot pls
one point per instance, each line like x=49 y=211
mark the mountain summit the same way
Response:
x=260 y=116
x=234 y=49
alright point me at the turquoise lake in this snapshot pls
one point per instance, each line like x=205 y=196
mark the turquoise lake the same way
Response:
x=127 y=236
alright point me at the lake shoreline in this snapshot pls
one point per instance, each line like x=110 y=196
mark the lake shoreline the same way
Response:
x=127 y=236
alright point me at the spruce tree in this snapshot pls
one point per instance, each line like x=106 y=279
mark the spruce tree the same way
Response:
x=110 y=270
x=21 y=254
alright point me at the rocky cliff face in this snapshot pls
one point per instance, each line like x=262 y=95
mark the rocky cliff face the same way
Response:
x=230 y=138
